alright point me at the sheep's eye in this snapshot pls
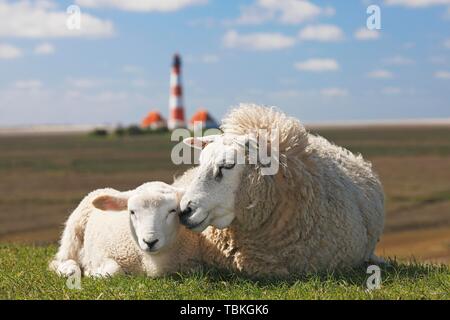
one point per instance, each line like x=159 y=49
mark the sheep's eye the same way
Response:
x=131 y=211
x=173 y=211
x=228 y=166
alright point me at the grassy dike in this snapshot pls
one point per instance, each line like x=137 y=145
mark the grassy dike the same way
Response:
x=24 y=275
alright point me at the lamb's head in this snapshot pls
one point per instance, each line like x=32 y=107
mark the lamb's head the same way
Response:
x=211 y=195
x=153 y=216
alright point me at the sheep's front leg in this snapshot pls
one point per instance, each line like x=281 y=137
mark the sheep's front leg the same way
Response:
x=67 y=268
x=108 y=268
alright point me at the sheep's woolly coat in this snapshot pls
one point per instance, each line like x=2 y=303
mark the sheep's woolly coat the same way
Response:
x=95 y=241
x=323 y=210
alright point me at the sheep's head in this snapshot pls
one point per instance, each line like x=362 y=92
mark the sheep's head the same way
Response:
x=153 y=216
x=210 y=197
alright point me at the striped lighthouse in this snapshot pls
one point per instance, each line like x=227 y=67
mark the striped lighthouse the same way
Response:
x=176 y=108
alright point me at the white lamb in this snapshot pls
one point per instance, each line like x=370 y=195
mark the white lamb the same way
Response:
x=103 y=238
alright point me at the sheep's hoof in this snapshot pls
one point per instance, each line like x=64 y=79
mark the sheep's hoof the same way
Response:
x=377 y=261
x=68 y=268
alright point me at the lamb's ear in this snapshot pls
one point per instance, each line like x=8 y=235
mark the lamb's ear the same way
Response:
x=110 y=203
x=200 y=142
x=179 y=193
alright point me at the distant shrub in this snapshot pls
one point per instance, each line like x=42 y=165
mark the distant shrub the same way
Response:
x=134 y=130
x=120 y=131
x=160 y=130
x=99 y=132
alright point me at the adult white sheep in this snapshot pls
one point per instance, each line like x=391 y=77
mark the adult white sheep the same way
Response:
x=322 y=210
x=99 y=234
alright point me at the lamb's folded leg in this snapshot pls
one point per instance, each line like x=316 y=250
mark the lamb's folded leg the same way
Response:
x=108 y=268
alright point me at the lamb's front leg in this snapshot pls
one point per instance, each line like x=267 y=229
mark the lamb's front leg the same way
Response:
x=107 y=268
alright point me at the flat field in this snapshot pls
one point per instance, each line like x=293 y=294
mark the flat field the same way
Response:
x=43 y=177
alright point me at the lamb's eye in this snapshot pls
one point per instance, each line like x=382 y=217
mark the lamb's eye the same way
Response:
x=173 y=211
x=131 y=211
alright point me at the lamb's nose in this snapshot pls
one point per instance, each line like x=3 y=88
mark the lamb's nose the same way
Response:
x=150 y=244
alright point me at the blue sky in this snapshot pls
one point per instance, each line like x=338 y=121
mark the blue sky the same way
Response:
x=315 y=60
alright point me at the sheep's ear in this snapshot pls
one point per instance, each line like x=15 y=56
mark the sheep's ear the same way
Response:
x=109 y=203
x=200 y=142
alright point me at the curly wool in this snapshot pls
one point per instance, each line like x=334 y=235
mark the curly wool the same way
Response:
x=323 y=210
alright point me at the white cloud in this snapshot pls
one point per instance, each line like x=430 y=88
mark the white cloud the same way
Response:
x=366 y=34
x=254 y=14
x=141 y=5
x=28 y=84
x=409 y=45
x=140 y=83
x=391 y=91
x=84 y=83
x=281 y=94
x=416 y=3
x=442 y=75
x=334 y=92
x=207 y=58
x=132 y=69
x=257 y=41
x=44 y=49
x=438 y=60
x=317 y=65
x=447 y=13
x=399 y=61
x=380 y=74
x=207 y=22
x=67 y=105
x=447 y=43
x=210 y=58
x=110 y=96
x=283 y=11
x=40 y=19
x=322 y=33
x=8 y=51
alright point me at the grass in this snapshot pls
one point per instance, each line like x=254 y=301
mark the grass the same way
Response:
x=24 y=275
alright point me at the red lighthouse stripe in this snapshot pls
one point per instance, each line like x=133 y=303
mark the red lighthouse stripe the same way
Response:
x=177 y=91
x=177 y=114
x=176 y=70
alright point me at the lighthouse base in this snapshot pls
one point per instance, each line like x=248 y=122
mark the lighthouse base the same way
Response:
x=175 y=124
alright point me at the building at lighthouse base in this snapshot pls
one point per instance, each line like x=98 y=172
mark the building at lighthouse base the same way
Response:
x=202 y=120
x=154 y=121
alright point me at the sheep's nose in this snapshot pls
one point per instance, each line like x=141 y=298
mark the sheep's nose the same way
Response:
x=185 y=213
x=188 y=210
x=150 y=244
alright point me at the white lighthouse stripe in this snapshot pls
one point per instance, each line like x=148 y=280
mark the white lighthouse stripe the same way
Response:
x=175 y=102
x=174 y=123
x=175 y=80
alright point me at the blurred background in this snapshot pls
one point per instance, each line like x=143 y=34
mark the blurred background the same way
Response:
x=90 y=89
